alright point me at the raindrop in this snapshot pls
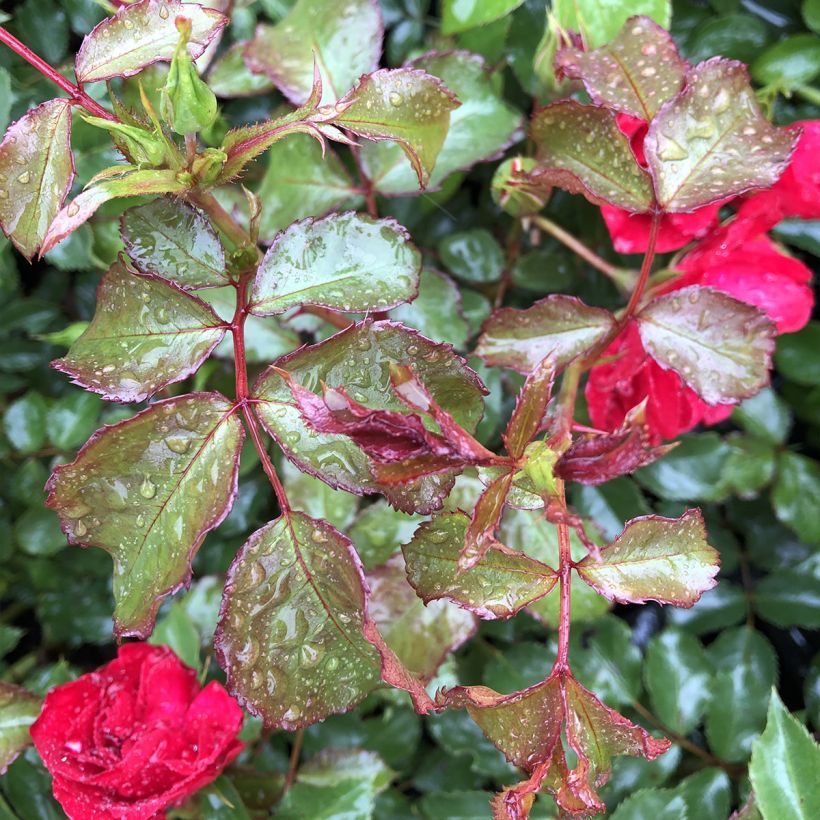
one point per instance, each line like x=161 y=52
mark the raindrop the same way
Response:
x=671 y=150
x=148 y=489
x=163 y=12
x=80 y=529
x=73 y=209
x=178 y=444
x=24 y=178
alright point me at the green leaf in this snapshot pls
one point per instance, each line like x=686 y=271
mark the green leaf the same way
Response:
x=659 y=804
x=474 y=255
x=379 y=531
x=172 y=239
x=230 y=77
x=36 y=170
x=811 y=692
x=811 y=14
x=18 y=710
x=300 y=182
x=746 y=669
x=784 y=766
x=461 y=15
x=147 y=490
x=766 y=416
x=407 y=105
x=6 y=98
x=788 y=63
x=610 y=504
x=455 y=805
x=721 y=347
x=290 y=629
x=581 y=149
x=436 y=311
x=678 y=676
x=24 y=422
x=707 y=794
x=347 y=262
x=795 y=357
x=749 y=468
x=142 y=34
x=146 y=334
x=482 y=126
x=178 y=631
x=789 y=597
x=38 y=532
x=72 y=419
x=316 y=499
x=422 y=634
x=498 y=586
x=560 y=326
x=712 y=142
x=344 y=40
x=796 y=495
x=359 y=358
x=222 y=801
x=636 y=72
x=600 y=21
x=336 y=784
x=660 y=559
x=723 y=606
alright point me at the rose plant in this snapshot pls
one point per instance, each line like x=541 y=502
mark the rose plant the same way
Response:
x=678 y=156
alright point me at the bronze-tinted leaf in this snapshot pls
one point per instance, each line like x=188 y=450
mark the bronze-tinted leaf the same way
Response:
x=636 y=72
x=36 y=171
x=290 y=633
x=712 y=142
x=499 y=585
x=655 y=559
x=561 y=327
x=581 y=149
x=147 y=490
x=530 y=406
x=486 y=517
x=146 y=334
x=721 y=347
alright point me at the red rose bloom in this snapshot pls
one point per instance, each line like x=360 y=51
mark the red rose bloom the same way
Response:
x=136 y=736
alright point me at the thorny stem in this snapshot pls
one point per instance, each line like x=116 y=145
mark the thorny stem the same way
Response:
x=75 y=93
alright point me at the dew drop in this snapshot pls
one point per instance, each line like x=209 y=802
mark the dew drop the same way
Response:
x=148 y=489
x=319 y=536
x=395 y=99
x=163 y=12
x=4 y=194
x=24 y=178
x=80 y=529
x=73 y=209
x=671 y=150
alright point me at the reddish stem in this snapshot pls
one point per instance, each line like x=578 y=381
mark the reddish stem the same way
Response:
x=565 y=580
x=646 y=269
x=76 y=94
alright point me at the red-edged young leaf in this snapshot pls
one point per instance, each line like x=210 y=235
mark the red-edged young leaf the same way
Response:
x=596 y=458
x=18 y=710
x=530 y=406
x=290 y=632
x=581 y=149
x=561 y=327
x=147 y=490
x=132 y=183
x=515 y=802
x=359 y=358
x=141 y=34
x=174 y=240
x=347 y=262
x=667 y=560
x=407 y=105
x=36 y=172
x=480 y=536
x=596 y=734
x=636 y=72
x=422 y=636
x=498 y=586
x=712 y=142
x=721 y=347
x=343 y=39
x=146 y=334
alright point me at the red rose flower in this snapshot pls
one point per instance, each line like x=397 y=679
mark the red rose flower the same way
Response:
x=615 y=387
x=136 y=736
x=630 y=232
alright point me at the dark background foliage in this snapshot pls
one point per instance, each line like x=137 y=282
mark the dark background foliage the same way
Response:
x=705 y=673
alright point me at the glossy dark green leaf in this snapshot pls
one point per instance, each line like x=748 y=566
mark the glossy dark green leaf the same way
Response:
x=795 y=357
x=177 y=630
x=581 y=149
x=230 y=77
x=785 y=761
x=745 y=671
x=290 y=629
x=811 y=14
x=146 y=333
x=796 y=495
x=24 y=422
x=636 y=72
x=811 y=692
x=147 y=490
x=659 y=804
x=142 y=34
x=347 y=262
x=474 y=255
x=482 y=126
x=712 y=141
x=422 y=634
x=678 y=676
x=460 y=15
x=749 y=468
x=562 y=327
x=359 y=359
x=723 y=606
x=36 y=171
x=379 y=531
x=707 y=794
x=316 y=499
x=498 y=586
x=766 y=416
x=661 y=559
x=406 y=105
x=343 y=39
x=599 y=23
x=789 y=597
x=789 y=62
x=721 y=347
x=37 y=532
x=737 y=36
x=72 y=419
x=301 y=182
x=18 y=710
x=610 y=504
x=174 y=240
